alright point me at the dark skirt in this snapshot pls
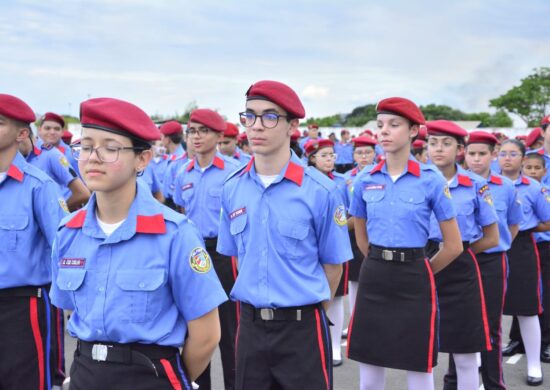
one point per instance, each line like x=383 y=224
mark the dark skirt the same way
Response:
x=394 y=323
x=523 y=293
x=463 y=322
x=355 y=263
x=343 y=289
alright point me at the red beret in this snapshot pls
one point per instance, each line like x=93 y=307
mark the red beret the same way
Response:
x=67 y=136
x=402 y=107
x=278 y=93
x=119 y=117
x=171 y=128
x=242 y=137
x=368 y=132
x=482 y=137
x=295 y=136
x=533 y=136
x=15 y=108
x=314 y=145
x=521 y=137
x=208 y=118
x=313 y=126
x=444 y=127
x=422 y=133
x=231 y=130
x=545 y=120
x=363 y=140
x=53 y=117
x=418 y=144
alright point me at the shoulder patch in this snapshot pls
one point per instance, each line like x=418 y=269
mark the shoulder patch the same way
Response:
x=340 y=216
x=63 y=205
x=199 y=260
x=63 y=160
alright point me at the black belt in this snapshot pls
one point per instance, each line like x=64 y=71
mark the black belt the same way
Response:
x=27 y=291
x=210 y=242
x=133 y=353
x=524 y=233
x=396 y=254
x=279 y=314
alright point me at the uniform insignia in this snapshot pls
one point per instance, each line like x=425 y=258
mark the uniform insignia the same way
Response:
x=370 y=187
x=546 y=194
x=483 y=189
x=63 y=160
x=199 y=260
x=69 y=262
x=63 y=205
x=237 y=213
x=488 y=198
x=340 y=216
x=186 y=186
x=447 y=192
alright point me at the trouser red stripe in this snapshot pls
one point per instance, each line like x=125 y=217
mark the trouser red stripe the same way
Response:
x=37 y=340
x=172 y=377
x=346 y=275
x=321 y=347
x=499 y=341
x=537 y=254
x=483 y=307
x=234 y=268
x=432 y=316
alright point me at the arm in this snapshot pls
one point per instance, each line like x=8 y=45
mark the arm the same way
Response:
x=450 y=248
x=514 y=229
x=488 y=240
x=543 y=227
x=351 y=222
x=79 y=194
x=158 y=196
x=333 y=273
x=203 y=336
x=361 y=235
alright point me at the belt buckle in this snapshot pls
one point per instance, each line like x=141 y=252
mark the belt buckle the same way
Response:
x=100 y=352
x=387 y=255
x=267 y=314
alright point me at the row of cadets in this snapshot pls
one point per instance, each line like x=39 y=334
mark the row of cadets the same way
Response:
x=242 y=143
x=175 y=164
x=134 y=273
x=286 y=223
x=30 y=210
x=227 y=145
x=198 y=187
x=394 y=322
x=544 y=150
x=321 y=155
x=344 y=152
x=464 y=326
x=492 y=262
x=523 y=294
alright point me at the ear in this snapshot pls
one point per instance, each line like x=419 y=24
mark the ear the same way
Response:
x=22 y=134
x=143 y=159
x=414 y=131
x=293 y=125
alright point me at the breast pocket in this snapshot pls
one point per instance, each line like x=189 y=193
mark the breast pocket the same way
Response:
x=236 y=228
x=373 y=199
x=12 y=230
x=293 y=235
x=70 y=281
x=186 y=196
x=411 y=202
x=214 y=198
x=140 y=290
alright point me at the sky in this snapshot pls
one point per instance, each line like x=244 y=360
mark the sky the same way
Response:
x=162 y=55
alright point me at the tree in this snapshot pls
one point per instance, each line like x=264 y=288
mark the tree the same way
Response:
x=182 y=118
x=361 y=115
x=530 y=100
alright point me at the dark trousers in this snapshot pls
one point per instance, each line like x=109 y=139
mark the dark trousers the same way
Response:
x=167 y=374
x=57 y=346
x=227 y=272
x=493 y=275
x=24 y=353
x=544 y=318
x=284 y=354
x=343 y=168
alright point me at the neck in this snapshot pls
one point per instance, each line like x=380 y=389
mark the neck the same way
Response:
x=171 y=148
x=512 y=175
x=449 y=171
x=485 y=173
x=271 y=164
x=6 y=157
x=396 y=162
x=113 y=207
x=205 y=159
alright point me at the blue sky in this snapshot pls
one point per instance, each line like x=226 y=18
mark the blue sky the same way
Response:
x=162 y=55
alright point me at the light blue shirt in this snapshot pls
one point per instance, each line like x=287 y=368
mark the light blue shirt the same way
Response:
x=534 y=200
x=344 y=152
x=55 y=165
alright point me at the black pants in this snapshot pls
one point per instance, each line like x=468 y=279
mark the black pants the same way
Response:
x=343 y=168
x=227 y=272
x=88 y=374
x=284 y=354
x=493 y=274
x=24 y=358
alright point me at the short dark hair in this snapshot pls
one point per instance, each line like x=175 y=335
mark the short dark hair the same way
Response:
x=536 y=156
x=176 y=138
x=516 y=142
x=138 y=143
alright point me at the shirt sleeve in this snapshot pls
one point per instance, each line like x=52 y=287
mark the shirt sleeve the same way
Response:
x=441 y=199
x=176 y=194
x=358 y=206
x=542 y=204
x=332 y=231
x=59 y=168
x=48 y=209
x=515 y=214
x=485 y=209
x=226 y=242
x=60 y=298
x=195 y=285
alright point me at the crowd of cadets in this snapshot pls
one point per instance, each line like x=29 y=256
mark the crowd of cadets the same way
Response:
x=431 y=232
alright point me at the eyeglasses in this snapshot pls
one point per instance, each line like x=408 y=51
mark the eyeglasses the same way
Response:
x=328 y=155
x=364 y=154
x=269 y=119
x=200 y=130
x=107 y=154
x=510 y=154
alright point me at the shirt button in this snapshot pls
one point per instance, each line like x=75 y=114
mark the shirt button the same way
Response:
x=99 y=331
x=142 y=285
x=102 y=289
x=69 y=284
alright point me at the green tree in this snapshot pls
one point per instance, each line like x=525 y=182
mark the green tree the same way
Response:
x=182 y=118
x=361 y=115
x=530 y=100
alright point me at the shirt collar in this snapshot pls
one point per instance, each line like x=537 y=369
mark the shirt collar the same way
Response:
x=293 y=170
x=217 y=162
x=17 y=168
x=413 y=167
x=495 y=179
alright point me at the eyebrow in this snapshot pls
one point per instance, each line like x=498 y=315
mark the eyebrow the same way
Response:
x=102 y=140
x=266 y=111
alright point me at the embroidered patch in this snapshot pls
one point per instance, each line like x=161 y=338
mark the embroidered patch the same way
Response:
x=375 y=187
x=488 y=198
x=483 y=189
x=199 y=259
x=546 y=194
x=72 y=262
x=447 y=192
x=64 y=161
x=63 y=205
x=340 y=216
x=237 y=213
x=186 y=186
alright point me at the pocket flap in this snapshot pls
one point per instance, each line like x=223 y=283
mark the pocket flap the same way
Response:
x=140 y=280
x=412 y=197
x=373 y=195
x=70 y=279
x=237 y=225
x=215 y=191
x=293 y=229
x=14 y=222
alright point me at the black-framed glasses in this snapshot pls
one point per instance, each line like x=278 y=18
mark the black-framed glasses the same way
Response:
x=200 y=130
x=269 y=119
x=107 y=154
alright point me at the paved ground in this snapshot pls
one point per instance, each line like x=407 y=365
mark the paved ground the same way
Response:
x=346 y=377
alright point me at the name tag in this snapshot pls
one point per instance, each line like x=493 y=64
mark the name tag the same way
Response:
x=72 y=262
x=375 y=187
x=237 y=213
x=186 y=186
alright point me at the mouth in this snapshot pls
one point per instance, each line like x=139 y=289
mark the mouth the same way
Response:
x=257 y=141
x=94 y=173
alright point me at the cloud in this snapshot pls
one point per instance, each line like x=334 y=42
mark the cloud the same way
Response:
x=315 y=92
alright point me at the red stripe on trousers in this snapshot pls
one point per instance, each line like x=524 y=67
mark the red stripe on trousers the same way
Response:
x=538 y=272
x=350 y=328
x=483 y=307
x=346 y=273
x=37 y=340
x=432 y=316
x=234 y=268
x=321 y=347
x=59 y=313
x=172 y=377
